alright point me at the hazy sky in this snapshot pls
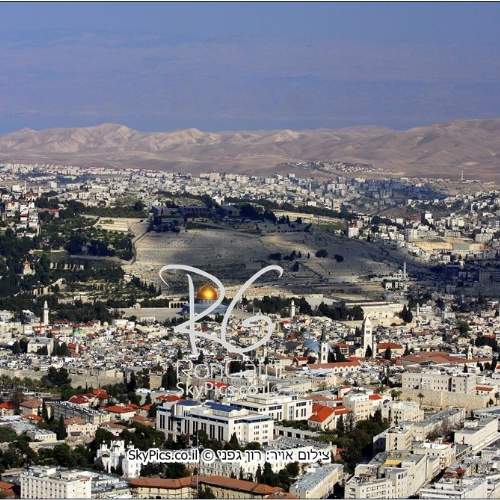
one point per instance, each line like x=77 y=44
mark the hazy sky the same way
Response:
x=233 y=66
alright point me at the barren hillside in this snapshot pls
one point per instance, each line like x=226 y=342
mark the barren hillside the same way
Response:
x=442 y=149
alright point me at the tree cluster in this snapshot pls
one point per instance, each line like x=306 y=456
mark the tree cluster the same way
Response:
x=356 y=438
x=56 y=378
x=486 y=340
x=169 y=379
x=282 y=479
x=275 y=305
x=341 y=312
x=406 y=315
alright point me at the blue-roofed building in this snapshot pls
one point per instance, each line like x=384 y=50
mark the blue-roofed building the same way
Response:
x=220 y=407
x=187 y=402
x=219 y=421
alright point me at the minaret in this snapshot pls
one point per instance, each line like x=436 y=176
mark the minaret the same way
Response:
x=45 y=314
x=292 y=309
x=468 y=352
x=324 y=347
x=368 y=339
x=404 y=270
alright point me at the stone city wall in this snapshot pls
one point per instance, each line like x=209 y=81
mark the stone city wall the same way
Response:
x=85 y=379
x=444 y=399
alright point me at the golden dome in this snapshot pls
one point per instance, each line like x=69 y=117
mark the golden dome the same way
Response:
x=206 y=292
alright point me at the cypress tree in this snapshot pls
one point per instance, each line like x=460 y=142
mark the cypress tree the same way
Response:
x=45 y=413
x=258 y=474
x=61 y=430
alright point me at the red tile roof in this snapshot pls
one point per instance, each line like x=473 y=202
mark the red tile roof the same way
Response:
x=140 y=418
x=387 y=345
x=319 y=398
x=153 y=482
x=341 y=410
x=170 y=399
x=120 y=409
x=79 y=399
x=239 y=485
x=100 y=393
x=321 y=413
x=440 y=357
x=32 y=417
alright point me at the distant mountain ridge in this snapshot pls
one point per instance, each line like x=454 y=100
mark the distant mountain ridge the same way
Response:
x=442 y=149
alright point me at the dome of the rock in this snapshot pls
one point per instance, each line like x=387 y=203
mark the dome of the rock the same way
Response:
x=206 y=292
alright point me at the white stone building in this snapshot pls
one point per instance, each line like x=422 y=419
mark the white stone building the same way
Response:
x=43 y=435
x=402 y=411
x=406 y=472
x=478 y=433
x=318 y=481
x=44 y=482
x=219 y=421
x=278 y=406
x=467 y=487
x=115 y=456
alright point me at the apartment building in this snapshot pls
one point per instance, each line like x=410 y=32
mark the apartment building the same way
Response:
x=467 y=487
x=361 y=487
x=359 y=404
x=478 y=433
x=76 y=426
x=318 y=482
x=406 y=472
x=436 y=381
x=68 y=410
x=402 y=411
x=446 y=452
x=399 y=437
x=440 y=422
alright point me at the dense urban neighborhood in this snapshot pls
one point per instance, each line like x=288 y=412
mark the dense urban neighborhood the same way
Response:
x=121 y=377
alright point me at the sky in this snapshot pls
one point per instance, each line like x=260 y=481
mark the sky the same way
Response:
x=214 y=66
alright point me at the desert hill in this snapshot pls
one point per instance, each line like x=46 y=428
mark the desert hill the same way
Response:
x=442 y=149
